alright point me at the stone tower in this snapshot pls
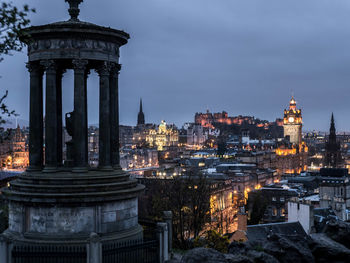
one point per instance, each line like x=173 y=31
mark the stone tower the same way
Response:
x=333 y=158
x=141 y=115
x=66 y=205
x=292 y=123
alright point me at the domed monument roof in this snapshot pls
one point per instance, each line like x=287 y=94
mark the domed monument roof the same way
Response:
x=74 y=39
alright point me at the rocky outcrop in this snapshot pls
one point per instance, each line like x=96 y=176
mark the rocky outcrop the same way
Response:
x=201 y=254
x=275 y=249
x=327 y=250
x=339 y=231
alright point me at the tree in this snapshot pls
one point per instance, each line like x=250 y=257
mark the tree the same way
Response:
x=213 y=239
x=257 y=204
x=188 y=197
x=12 y=22
x=199 y=200
x=4 y=109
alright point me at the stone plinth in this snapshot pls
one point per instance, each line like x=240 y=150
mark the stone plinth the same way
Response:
x=71 y=205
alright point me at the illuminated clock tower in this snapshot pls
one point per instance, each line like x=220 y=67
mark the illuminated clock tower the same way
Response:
x=292 y=123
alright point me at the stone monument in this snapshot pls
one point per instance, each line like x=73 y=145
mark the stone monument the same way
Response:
x=66 y=204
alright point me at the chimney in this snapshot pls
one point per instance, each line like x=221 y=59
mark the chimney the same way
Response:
x=242 y=220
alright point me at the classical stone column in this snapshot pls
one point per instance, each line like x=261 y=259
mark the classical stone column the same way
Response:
x=104 y=122
x=59 y=76
x=114 y=99
x=87 y=73
x=80 y=138
x=35 y=117
x=51 y=160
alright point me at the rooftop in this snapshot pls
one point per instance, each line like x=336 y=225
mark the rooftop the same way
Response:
x=259 y=232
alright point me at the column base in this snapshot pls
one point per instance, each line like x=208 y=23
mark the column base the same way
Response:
x=117 y=167
x=50 y=169
x=33 y=168
x=80 y=169
x=105 y=168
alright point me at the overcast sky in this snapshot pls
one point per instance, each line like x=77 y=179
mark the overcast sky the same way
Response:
x=185 y=56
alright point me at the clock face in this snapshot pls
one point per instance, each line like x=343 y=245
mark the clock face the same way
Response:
x=291 y=119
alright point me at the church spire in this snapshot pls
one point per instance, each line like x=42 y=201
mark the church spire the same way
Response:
x=332 y=128
x=141 y=115
x=333 y=156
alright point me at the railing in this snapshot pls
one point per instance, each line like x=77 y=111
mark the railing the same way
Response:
x=154 y=247
x=26 y=253
x=131 y=252
x=149 y=229
x=124 y=252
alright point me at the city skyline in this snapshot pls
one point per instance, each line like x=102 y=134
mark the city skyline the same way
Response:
x=244 y=58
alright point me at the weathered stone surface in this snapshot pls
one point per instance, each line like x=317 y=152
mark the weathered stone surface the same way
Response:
x=327 y=250
x=339 y=231
x=237 y=248
x=16 y=219
x=61 y=220
x=204 y=255
x=286 y=250
x=276 y=249
x=259 y=256
x=238 y=258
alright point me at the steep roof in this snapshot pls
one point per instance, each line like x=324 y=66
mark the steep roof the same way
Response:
x=262 y=231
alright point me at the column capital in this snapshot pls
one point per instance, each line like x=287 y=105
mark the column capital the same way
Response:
x=115 y=68
x=61 y=71
x=49 y=65
x=34 y=68
x=80 y=64
x=104 y=69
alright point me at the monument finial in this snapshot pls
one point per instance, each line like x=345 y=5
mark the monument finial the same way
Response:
x=74 y=9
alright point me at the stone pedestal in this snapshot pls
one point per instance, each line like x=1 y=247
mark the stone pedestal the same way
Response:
x=65 y=206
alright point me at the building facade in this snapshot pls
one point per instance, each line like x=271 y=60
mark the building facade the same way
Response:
x=335 y=191
x=14 y=150
x=292 y=123
x=292 y=152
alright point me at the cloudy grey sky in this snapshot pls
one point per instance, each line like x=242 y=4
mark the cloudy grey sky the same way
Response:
x=241 y=56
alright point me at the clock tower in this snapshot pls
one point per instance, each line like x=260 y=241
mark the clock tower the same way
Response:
x=292 y=123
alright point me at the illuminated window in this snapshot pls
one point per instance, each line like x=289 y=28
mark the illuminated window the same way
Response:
x=283 y=211
x=274 y=211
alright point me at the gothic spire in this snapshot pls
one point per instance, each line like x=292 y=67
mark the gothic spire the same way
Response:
x=332 y=155
x=141 y=105
x=332 y=134
x=141 y=115
x=332 y=128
